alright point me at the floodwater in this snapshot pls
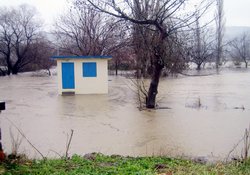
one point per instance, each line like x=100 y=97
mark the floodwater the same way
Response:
x=207 y=116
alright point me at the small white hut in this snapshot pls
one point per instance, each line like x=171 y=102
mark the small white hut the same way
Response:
x=82 y=74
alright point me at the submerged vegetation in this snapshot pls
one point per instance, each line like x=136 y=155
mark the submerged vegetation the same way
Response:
x=96 y=163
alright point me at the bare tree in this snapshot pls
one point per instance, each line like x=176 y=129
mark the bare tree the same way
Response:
x=165 y=19
x=40 y=53
x=25 y=29
x=240 y=49
x=219 y=18
x=200 y=45
x=87 y=32
x=18 y=29
x=6 y=36
x=122 y=59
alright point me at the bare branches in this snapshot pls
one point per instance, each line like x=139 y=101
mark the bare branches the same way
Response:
x=245 y=140
x=84 y=31
x=23 y=135
x=161 y=12
x=240 y=49
x=18 y=30
x=139 y=88
x=200 y=45
x=68 y=144
x=15 y=142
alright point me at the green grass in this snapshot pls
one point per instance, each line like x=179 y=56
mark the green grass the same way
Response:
x=97 y=164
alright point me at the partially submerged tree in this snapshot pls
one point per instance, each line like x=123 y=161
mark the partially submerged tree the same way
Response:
x=165 y=19
x=40 y=53
x=240 y=49
x=200 y=45
x=122 y=59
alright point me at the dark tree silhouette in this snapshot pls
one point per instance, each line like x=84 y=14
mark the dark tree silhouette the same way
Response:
x=19 y=28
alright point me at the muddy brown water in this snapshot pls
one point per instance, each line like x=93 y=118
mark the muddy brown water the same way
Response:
x=112 y=124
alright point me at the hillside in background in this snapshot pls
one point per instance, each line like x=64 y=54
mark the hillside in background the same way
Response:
x=234 y=31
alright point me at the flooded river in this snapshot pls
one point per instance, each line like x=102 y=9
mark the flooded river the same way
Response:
x=207 y=116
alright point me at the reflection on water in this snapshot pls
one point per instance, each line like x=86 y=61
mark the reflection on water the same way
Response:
x=112 y=124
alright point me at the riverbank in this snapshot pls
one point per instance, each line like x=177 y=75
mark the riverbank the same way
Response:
x=96 y=164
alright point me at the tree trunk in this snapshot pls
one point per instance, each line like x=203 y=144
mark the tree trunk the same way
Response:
x=153 y=89
x=246 y=64
x=143 y=71
x=158 y=65
x=116 y=68
x=198 y=67
x=14 y=70
x=49 y=72
x=9 y=65
x=8 y=71
x=2 y=73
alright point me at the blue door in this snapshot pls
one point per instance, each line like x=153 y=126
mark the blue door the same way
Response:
x=68 y=76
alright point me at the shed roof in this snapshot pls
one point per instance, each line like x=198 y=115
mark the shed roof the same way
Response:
x=81 y=57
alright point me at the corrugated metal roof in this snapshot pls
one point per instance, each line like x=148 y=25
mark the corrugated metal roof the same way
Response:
x=81 y=57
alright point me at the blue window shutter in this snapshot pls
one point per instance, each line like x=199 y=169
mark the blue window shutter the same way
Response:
x=89 y=69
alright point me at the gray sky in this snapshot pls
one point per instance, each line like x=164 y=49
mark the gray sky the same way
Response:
x=236 y=11
x=48 y=9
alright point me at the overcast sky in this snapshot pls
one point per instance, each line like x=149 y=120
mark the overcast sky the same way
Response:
x=237 y=12
x=48 y=9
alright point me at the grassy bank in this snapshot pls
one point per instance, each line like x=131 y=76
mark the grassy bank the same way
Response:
x=96 y=164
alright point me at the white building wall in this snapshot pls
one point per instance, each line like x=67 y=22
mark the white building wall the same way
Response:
x=86 y=85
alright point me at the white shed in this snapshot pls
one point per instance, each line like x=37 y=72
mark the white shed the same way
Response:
x=82 y=74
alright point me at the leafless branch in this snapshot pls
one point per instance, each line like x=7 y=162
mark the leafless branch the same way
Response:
x=68 y=144
x=23 y=135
